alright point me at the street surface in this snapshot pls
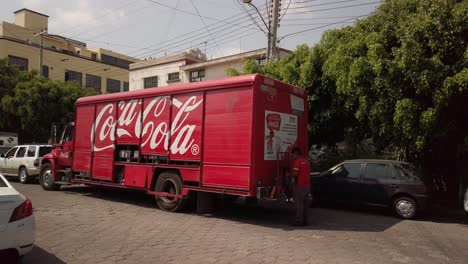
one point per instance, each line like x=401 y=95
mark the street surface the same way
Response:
x=89 y=225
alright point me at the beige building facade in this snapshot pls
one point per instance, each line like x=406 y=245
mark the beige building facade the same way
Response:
x=63 y=58
x=190 y=66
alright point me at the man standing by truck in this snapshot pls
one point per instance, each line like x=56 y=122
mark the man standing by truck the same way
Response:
x=300 y=179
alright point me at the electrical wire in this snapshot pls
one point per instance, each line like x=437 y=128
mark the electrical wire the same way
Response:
x=327 y=25
x=322 y=4
x=335 y=8
x=206 y=27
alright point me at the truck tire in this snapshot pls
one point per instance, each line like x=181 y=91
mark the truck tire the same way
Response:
x=46 y=178
x=404 y=207
x=23 y=175
x=171 y=183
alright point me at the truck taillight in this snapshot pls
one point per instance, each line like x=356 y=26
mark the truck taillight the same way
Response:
x=22 y=211
x=36 y=163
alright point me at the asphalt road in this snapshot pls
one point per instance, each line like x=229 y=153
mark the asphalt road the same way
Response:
x=87 y=225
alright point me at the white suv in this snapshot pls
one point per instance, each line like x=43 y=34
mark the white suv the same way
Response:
x=23 y=161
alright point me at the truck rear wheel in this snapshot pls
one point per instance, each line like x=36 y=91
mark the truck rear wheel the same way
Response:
x=169 y=182
x=46 y=178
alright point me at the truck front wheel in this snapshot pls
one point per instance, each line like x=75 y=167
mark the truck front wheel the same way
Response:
x=169 y=182
x=46 y=178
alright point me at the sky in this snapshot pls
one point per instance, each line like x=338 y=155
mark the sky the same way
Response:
x=154 y=28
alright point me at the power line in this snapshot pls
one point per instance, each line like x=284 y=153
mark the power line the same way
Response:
x=285 y=11
x=71 y=29
x=308 y=24
x=190 y=13
x=327 y=25
x=322 y=4
x=185 y=34
x=206 y=27
x=242 y=7
x=197 y=36
x=334 y=8
x=316 y=18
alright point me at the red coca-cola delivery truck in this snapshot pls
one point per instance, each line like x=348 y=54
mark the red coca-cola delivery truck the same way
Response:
x=226 y=136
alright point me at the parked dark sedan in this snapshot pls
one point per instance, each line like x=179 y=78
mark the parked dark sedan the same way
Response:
x=387 y=183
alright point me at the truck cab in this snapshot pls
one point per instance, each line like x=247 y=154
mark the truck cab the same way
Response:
x=57 y=163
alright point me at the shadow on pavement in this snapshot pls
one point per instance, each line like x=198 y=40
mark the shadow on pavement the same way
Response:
x=40 y=256
x=129 y=196
x=274 y=216
x=328 y=217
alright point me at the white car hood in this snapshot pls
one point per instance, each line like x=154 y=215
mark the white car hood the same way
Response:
x=9 y=200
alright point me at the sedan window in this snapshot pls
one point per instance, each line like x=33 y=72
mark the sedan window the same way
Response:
x=375 y=171
x=349 y=170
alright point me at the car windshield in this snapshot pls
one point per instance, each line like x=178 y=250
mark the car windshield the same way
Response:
x=44 y=150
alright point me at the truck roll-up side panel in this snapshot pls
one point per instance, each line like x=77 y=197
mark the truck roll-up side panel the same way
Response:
x=104 y=141
x=227 y=145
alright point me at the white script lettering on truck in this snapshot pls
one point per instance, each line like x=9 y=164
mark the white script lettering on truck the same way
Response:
x=155 y=134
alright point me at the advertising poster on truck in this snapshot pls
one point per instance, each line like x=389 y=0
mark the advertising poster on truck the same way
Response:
x=280 y=133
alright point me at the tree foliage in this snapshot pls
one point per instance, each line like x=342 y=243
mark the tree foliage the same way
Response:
x=398 y=76
x=30 y=104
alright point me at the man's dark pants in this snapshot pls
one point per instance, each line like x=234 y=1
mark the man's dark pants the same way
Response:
x=301 y=201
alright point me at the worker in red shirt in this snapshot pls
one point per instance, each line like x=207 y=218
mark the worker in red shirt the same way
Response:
x=300 y=179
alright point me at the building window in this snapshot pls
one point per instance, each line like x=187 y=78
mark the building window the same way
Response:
x=150 y=82
x=73 y=76
x=125 y=86
x=93 y=56
x=173 y=77
x=45 y=70
x=197 y=76
x=93 y=81
x=113 y=86
x=22 y=63
x=111 y=60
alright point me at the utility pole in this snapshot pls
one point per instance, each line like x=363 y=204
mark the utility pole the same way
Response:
x=271 y=51
x=41 y=56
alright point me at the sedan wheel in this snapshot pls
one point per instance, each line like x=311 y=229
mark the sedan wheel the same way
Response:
x=404 y=207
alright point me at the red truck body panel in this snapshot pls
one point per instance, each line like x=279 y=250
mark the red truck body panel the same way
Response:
x=221 y=136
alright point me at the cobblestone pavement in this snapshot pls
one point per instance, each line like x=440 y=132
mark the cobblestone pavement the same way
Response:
x=88 y=225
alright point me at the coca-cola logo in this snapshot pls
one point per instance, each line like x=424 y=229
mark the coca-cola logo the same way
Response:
x=273 y=121
x=154 y=134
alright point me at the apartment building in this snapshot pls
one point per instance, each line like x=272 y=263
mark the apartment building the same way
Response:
x=189 y=66
x=64 y=59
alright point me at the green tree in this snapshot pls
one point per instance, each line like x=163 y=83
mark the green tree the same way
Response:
x=393 y=76
x=38 y=102
x=9 y=77
x=398 y=76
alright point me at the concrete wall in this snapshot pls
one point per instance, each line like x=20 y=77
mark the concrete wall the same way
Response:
x=219 y=70
x=137 y=76
x=31 y=20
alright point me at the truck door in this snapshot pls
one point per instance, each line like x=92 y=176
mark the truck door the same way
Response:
x=64 y=152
